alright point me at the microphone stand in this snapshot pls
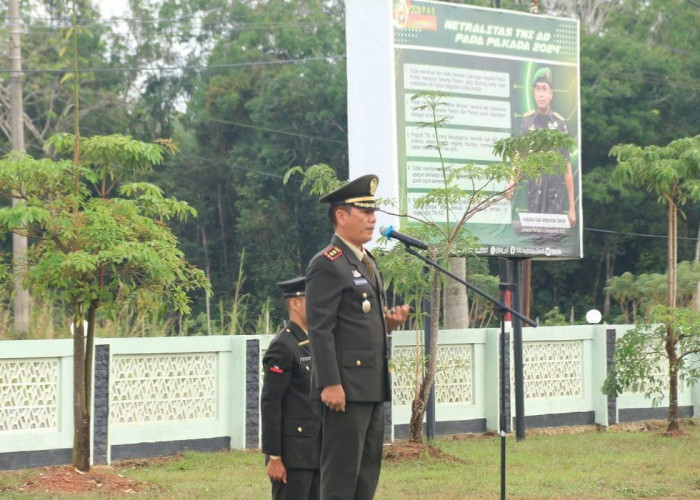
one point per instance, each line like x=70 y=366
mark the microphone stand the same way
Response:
x=502 y=309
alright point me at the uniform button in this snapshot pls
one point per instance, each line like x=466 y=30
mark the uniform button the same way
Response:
x=307 y=368
x=299 y=429
x=358 y=362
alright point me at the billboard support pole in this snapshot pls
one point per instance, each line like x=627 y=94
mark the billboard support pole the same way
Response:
x=516 y=266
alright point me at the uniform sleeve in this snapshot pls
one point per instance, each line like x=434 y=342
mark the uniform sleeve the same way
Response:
x=324 y=290
x=277 y=366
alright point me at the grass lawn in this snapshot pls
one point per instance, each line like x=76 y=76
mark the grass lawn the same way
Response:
x=616 y=463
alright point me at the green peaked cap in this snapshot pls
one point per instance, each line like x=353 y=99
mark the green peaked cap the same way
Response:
x=542 y=75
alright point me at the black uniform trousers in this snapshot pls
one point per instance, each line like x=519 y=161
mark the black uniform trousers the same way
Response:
x=351 y=453
x=301 y=484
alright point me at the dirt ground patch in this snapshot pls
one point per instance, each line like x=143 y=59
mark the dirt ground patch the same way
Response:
x=403 y=451
x=105 y=480
x=66 y=480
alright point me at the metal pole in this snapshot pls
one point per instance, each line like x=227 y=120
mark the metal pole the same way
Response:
x=504 y=399
x=19 y=243
x=516 y=268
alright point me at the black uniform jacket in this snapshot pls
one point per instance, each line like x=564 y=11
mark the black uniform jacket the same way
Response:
x=291 y=427
x=345 y=316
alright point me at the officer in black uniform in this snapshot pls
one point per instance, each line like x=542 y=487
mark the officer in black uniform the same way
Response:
x=549 y=193
x=291 y=427
x=348 y=328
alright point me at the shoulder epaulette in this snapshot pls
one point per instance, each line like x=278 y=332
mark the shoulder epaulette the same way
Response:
x=529 y=113
x=558 y=116
x=332 y=252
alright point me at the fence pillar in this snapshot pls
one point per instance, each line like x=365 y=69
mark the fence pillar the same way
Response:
x=100 y=408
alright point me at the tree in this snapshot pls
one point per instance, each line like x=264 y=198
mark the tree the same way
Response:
x=273 y=98
x=672 y=174
x=48 y=101
x=522 y=157
x=639 y=356
x=95 y=249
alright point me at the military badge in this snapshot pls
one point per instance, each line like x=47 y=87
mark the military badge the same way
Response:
x=332 y=252
x=366 y=306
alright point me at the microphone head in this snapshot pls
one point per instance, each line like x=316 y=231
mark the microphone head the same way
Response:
x=386 y=231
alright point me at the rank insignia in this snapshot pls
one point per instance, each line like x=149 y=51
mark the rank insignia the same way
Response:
x=333 y=252
x=276 y=369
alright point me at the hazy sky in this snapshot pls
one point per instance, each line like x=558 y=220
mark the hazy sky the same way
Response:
x=109 y=8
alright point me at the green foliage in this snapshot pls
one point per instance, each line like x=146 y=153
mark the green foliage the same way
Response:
x=249 y=94
x=97 y=249
x=481 y=310
x=640 y=354
x=554 y=318
x=671 y=172
x=318 y=179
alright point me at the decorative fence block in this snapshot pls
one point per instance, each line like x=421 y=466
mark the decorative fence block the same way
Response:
x=29 y=394
x=152 y=388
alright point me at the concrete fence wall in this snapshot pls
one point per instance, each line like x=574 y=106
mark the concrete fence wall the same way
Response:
x=158 y=396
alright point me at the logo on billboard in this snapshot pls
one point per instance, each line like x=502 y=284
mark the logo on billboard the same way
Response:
x=421 y=17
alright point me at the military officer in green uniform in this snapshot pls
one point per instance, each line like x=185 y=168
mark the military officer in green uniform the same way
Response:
x=291 y=427
x=552 y=193
x=348 y=328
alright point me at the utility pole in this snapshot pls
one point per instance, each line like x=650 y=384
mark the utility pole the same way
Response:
x=19 y=243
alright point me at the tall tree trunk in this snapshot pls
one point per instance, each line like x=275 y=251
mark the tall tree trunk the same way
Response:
x=697 y=259
x=419 y=405
x=609 y=269
x=455 y=301
x=19 y=243
x=670 y=332
x=81 y=418
x=672 y=419
x=207 y=271
x=222 y=227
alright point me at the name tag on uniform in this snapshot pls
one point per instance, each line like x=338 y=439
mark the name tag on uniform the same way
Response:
x=304 y=358
x=361 y=281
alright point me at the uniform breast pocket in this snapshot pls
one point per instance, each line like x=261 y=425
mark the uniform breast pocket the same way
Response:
x=299 y=427
x=357 y=358
x=305 y=365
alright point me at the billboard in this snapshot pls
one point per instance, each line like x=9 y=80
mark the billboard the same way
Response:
x=502 y=73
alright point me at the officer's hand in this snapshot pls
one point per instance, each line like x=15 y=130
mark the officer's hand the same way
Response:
x=277 y=471
x=396 y=316
x=333 y=396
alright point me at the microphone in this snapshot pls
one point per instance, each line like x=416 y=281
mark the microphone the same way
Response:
x=389 y=233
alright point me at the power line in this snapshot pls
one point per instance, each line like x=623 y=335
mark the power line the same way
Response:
x=643 y=235
x=329 y=58
x=180 y=29
x=277 y=131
